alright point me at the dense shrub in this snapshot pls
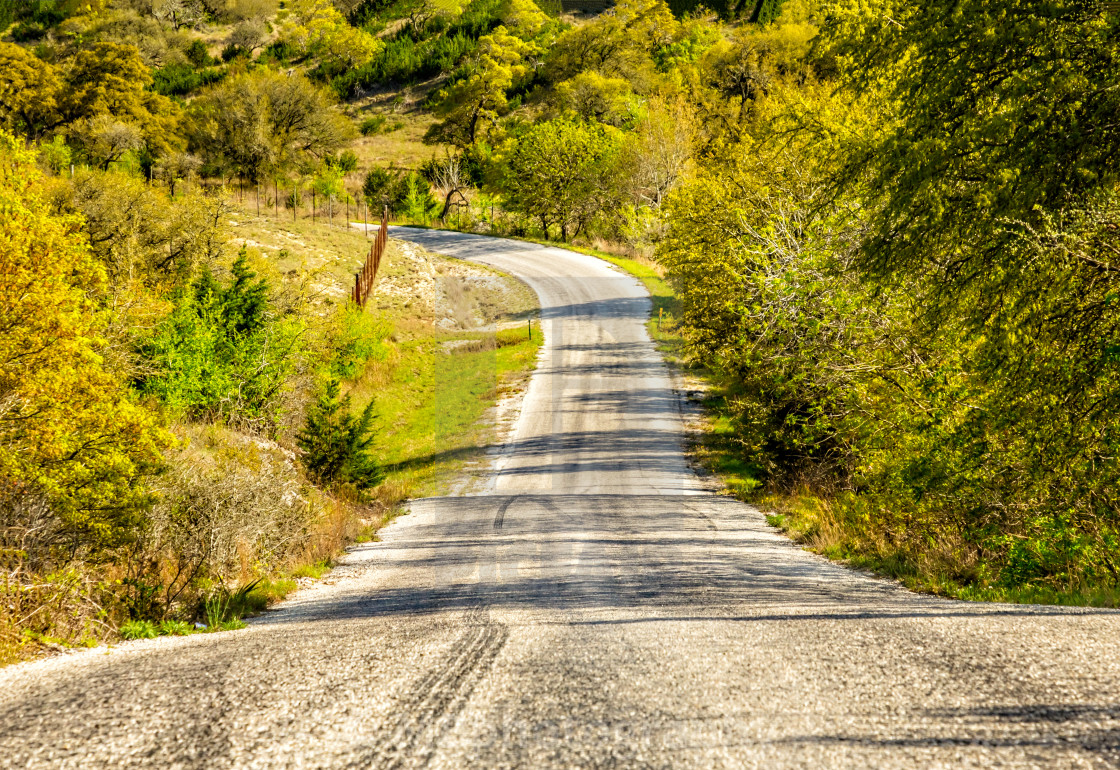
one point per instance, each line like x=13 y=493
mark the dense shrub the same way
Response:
x=199 y=55
x=336 y=446
x=385 y=187
x=221 y=354
x=182 y=79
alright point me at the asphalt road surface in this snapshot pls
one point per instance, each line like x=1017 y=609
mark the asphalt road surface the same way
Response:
x=592 y=607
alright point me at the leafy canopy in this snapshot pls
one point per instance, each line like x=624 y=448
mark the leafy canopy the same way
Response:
x=69 y=432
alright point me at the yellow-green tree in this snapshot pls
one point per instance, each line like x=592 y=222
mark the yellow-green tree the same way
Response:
x=562 y=174
x=591 y=96
x=618 y=44
x=472 y=105
x=29 y=90
x=70 y=435
x=106 y=79
x=318 y=29
x=263 y=122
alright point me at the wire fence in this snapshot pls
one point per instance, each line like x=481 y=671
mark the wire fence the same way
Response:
x=363 y=280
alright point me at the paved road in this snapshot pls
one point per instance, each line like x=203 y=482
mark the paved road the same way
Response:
x=593 y=607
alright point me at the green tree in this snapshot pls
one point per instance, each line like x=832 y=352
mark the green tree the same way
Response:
x=337 y=449
x=263 y=123
x=385 y=187
x=560 y=174
x=106 y=78
x=219 y=354
x=418 y=203
x=473 y=104
x=991 y=112
x=140 y=237
x=69 y=432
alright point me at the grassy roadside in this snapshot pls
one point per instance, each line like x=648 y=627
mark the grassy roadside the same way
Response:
x=819 y=524
x=440 y=344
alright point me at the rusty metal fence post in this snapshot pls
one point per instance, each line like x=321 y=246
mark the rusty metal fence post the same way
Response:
x=363 y=279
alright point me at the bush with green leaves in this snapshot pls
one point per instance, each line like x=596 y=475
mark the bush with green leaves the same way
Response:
x=360 y=338
x=909 y=286
x=385 y=187
x=222 y=353
x=419 y=205
x=180 y=79
x=337 y=447
x=561 y=174
x=372 y=125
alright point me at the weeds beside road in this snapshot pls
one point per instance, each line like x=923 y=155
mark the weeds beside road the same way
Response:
x=812 y=520
x=236 y=526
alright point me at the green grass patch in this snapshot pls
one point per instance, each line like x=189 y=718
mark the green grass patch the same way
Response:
x=315 y=571
x=271 y=590
x=139 y=629
x=175 y=628
x=431 y=401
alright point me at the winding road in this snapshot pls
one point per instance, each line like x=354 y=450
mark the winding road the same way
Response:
x=595 y=607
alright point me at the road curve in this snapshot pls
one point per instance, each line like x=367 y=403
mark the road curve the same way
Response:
x=592 y=607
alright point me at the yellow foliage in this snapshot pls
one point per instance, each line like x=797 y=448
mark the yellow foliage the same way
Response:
x=69 y=433
x=28 y=91
x=523 y=17
x=320 y=30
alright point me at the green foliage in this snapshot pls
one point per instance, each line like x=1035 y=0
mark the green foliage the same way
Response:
x=385 y=187
x=974 y=135
x=590 y=96
x=378 y=124
x=418 y=204
x=766 y=11
x=404 y=61
x=182 y=79
x=336 y=446
x=219 y=354
x=198 y=55
x=471 y=105
x=263 y=123
x=56 y=155
x=29 y=89
x=907 y=285
x=346 y=163
x=316 y=29
x=560 y=174
x=622 y=44
x=360 y=339
x=73 y=444
x=100 y=84
x=174 y=628
x=140 y=237
x=139 y=629
x=222 y=610
x=372 y=125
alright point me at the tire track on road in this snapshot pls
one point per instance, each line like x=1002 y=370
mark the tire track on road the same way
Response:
x=433 y=705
